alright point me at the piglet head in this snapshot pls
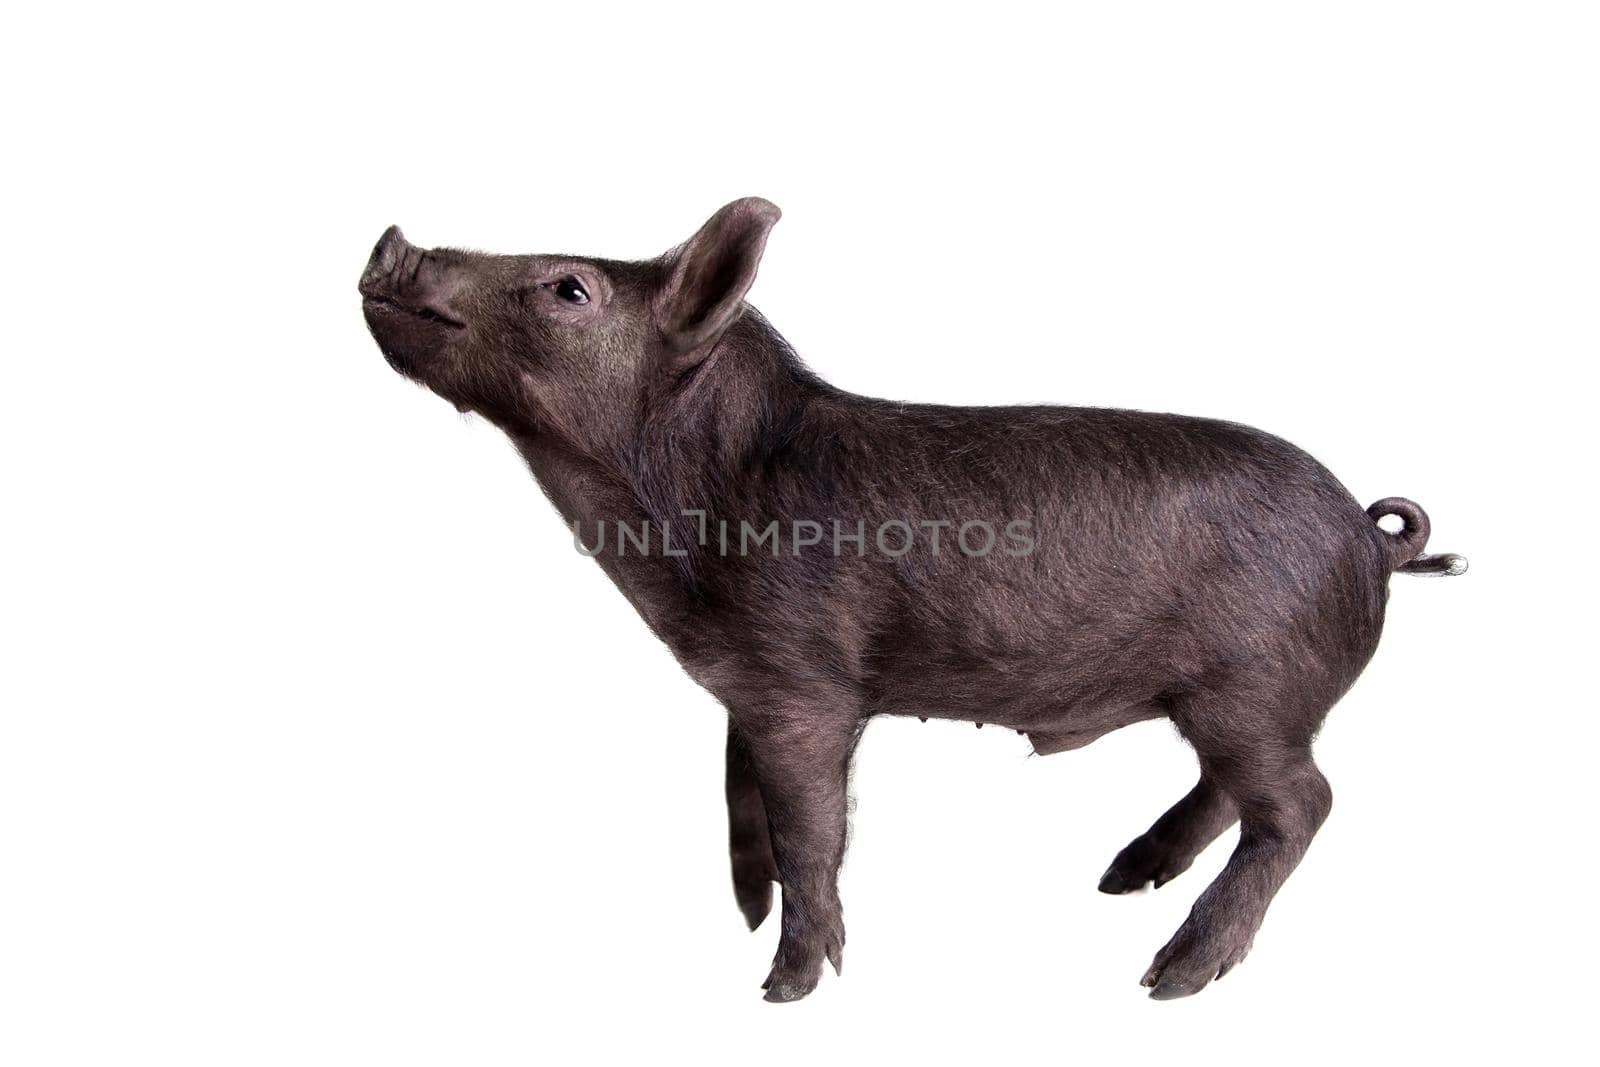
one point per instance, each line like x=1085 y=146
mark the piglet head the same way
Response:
x=561 y=344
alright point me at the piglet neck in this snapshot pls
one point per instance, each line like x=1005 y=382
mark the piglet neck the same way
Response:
x=697 y=457
x=702 y=444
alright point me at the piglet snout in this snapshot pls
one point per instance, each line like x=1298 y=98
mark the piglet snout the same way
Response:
x=395 y=267
x=421 y=282
x=387 y=254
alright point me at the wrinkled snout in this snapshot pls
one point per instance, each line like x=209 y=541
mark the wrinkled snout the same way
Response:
x=391 y=250
x=406 y=294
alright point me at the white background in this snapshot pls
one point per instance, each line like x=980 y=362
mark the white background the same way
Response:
x=322 y=746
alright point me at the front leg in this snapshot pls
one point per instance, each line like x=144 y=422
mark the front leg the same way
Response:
x=749 y=844
x=800 y=750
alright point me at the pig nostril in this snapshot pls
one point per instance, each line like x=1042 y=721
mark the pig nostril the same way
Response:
x=394 y=263
x=392 y=241
x=391 y=249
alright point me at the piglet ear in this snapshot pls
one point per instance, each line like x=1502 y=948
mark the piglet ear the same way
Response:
x=708 y=276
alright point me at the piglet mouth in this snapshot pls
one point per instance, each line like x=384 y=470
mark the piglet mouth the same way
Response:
x=405 y=296
x=377 y=304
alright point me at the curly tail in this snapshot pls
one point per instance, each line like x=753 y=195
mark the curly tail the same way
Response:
x=1405 y=547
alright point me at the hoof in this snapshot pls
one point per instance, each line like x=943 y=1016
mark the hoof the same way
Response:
x=755 y=900
x=786 y=992
x=1142 y=864
x=799 y=972
x=1116 y=882
x=1189 y=962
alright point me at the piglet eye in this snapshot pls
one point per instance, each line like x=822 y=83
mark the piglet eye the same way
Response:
x=570 y=290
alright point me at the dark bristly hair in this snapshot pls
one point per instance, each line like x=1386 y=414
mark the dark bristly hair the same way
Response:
x=1152 y=565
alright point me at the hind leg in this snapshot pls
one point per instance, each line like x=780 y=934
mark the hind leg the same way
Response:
x=749 y=843
x=1259 y=753
x=1167 y=849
